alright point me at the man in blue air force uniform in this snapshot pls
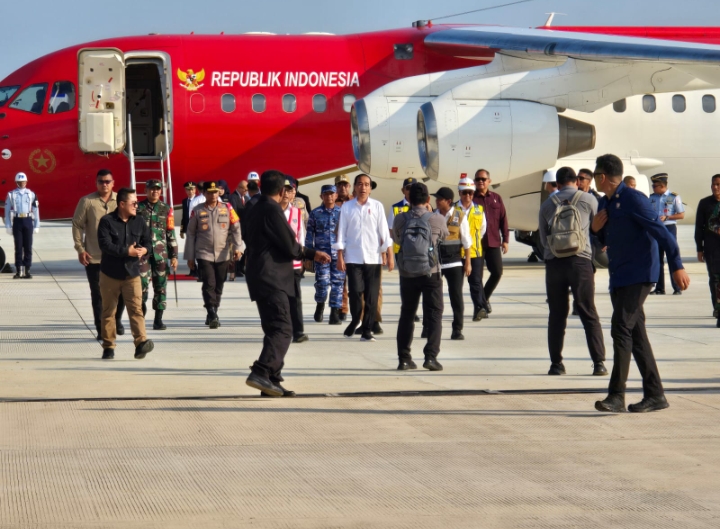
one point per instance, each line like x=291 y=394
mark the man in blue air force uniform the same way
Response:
x=670 y=209
x=22 y=217
x=321 y=234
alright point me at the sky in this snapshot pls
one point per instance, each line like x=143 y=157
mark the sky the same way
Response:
x=32 y=29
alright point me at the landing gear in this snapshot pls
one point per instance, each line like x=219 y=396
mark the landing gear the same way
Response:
x=5 y=267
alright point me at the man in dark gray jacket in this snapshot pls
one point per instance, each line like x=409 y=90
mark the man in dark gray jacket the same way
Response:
x=574 y=272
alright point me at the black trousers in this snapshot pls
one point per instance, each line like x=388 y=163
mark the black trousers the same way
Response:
x=475 y=280
x=575 y=273
x=23 y=235
x=494 y=262
x=454 y=278
x=296 y=313
x=672 y=228
x=411 y=288
x=276 y=322
x=240 y=266
x=713 y=267
x=213 y=276
x=92 y=271
x=364 y=282
x=630 y=338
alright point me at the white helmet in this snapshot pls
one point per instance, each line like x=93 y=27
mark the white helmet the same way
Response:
x=466 y=184
x=21 y=177
x=549 y=176
x=253 y=176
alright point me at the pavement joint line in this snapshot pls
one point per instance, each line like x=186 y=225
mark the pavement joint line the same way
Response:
x=367 y=394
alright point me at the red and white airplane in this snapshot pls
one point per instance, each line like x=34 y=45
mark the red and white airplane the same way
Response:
x=431 y=101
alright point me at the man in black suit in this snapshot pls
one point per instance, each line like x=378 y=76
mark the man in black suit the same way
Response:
x=271 y=250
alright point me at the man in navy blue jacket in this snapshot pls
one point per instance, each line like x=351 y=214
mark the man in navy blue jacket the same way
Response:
x=629 y=226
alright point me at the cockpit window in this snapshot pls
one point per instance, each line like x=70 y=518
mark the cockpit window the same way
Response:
x=6 y=92
x=31 y=99
x=62 y=97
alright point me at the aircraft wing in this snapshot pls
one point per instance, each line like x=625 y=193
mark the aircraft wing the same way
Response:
x=469 y=41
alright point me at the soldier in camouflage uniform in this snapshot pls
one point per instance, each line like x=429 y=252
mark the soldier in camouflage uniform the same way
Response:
x=159 y=218
x=321 y=233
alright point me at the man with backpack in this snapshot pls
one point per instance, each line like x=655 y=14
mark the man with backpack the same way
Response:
x=418 y=232
x=565 y=220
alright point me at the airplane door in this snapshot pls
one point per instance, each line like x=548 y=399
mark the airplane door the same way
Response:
x=101 y=96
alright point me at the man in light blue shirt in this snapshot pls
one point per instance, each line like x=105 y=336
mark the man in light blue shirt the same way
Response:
x=670 y=209
x=22 y=217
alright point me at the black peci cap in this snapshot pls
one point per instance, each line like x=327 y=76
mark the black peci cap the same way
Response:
x=444 y=192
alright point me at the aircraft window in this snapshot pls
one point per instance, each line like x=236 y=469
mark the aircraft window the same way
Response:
x=708 y=102
x=227 y=103
x=197 y=103
x=620 y=106
x=403 y=52
x=289 y=103
x=348 y=101
x=258 y=103
x=62 y=97
x=678 y=103
x=6 y=92
x=649 y=104
x=319 y=103
x=31 y=99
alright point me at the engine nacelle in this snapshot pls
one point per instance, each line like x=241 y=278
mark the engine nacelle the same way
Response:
x=508 y=138
x=384 y=136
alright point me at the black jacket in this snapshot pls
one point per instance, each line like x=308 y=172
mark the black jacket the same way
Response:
x=271 y=250
x=185 y=215
x=707 y=224
x=243 y=215
x=115 y=237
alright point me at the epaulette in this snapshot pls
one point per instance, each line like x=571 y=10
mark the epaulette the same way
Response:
x=673 y=193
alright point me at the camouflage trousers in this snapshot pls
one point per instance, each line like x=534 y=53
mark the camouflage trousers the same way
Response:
x=329 y=278
x=157 y=271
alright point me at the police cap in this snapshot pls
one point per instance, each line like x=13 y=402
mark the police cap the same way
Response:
x=328 y=188
x=290 y=182
x=445 y=193
x=409 y=181
x=660 y=178
x=153 y=184
x=211 y=186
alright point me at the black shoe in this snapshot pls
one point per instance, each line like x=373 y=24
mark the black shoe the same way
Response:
x=716 y=313
x=231 y=276
x=108 y=354
x=406 y=364
x=144 y=309
x=658 y=292
x=480 y=314
x=350 y=330
x=367 y=337
x=27 y=275
x=431 y=364
x=212 y=318
x=424 y=333
x=599 y=369
x=556 y=369
x=613 y=404
x=319 y=310
x=300 y=338
x=457 y=335
x=334 y=317
x=359 y=331
x=677 y=293
x=158 y=324
x=119 y=328
x=489 y=308
x=376 y=329
x=286 y=392
x=343 y=316
x=416 y=318
x=264 y=385
x=144 y=348
x=717 y=323
x=17 y=275
x=649 y=404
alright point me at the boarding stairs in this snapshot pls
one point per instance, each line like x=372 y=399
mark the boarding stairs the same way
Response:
x=147 y=168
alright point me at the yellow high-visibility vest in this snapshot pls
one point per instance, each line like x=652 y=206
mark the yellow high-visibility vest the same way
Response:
x=476 y=217
x=397 y=209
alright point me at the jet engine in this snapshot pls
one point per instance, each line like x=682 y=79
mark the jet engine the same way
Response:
x=509 y=138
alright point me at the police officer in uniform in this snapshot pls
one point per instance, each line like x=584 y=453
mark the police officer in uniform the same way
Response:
x=22 y=217
x=159 y=218
x=213 y=228
x=321 y=235
x=475 y=215
x=670 y=209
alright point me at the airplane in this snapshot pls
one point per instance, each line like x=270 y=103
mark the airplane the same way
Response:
x=432 y=101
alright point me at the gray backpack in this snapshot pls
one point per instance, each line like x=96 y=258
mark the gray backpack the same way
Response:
x=567 y=237
x=418 y=255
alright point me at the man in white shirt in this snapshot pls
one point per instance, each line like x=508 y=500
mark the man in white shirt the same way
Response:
x=453 y=265
x=364 y=246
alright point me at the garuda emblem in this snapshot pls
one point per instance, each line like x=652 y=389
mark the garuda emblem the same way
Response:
x=191 y=81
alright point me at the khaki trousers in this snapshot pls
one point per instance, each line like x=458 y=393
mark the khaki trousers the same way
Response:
x=131 y=290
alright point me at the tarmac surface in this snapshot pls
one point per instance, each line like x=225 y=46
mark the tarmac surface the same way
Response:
x=178 y=439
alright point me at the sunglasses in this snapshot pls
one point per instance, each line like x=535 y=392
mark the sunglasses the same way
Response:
x=467 y=193
x=482 y=179
x=105 y=182
x=132 y=204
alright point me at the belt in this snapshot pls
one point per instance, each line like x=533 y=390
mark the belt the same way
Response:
x=23 y=215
